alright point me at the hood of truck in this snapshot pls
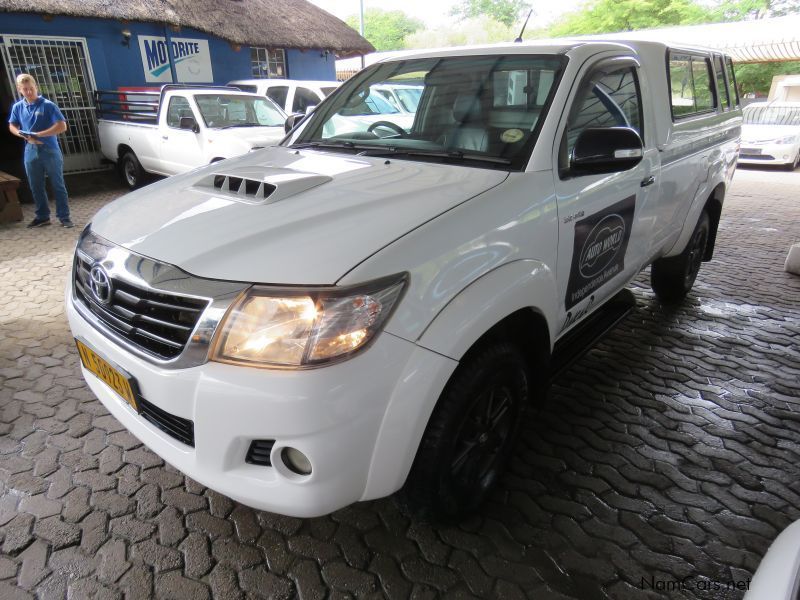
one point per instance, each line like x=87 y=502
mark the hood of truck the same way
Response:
x=286 y=216
x=246 y=136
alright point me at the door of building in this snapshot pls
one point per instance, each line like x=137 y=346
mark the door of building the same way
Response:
x=63 y=70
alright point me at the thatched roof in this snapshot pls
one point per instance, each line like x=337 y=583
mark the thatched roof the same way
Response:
x=271 y=23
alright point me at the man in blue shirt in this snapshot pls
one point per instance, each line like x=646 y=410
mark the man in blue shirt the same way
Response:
x=38 y=121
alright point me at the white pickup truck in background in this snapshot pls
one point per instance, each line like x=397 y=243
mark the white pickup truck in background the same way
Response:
x=180 y=128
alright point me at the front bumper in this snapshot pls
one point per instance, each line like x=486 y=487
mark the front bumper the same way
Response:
x=335 y=415
x=767 y=154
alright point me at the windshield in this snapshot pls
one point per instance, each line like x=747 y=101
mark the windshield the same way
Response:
x=772 y=115
x=224 y=110
x=481 y=109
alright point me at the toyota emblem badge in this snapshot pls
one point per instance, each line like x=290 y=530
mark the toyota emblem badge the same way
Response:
x=100 y=284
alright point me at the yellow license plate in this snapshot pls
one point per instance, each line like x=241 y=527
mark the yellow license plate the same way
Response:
x=121 y=383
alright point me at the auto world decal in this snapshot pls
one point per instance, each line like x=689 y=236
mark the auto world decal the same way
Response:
x=598 y=252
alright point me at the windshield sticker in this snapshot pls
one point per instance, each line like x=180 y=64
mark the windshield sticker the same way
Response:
x=510 y=136
x=598 y=254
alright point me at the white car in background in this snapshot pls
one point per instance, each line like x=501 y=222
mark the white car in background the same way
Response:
x=368 y=111
x=404 y=97
x=778 y=575
x=771 y=134
x=293 y=96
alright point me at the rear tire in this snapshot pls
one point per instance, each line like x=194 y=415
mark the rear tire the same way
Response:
x=131 y=170
x=672 y=278
x=469 y=436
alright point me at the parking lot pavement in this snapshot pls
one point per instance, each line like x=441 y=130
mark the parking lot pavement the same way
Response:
x=664 y=463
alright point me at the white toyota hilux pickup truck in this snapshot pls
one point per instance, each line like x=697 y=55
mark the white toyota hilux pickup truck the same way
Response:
x=182 y=127
x=344 y=316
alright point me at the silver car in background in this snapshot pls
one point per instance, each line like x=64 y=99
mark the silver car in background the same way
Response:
x=771 y=134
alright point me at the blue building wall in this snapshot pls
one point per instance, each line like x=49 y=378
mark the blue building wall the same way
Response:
x=115 y=65
x=311 y=64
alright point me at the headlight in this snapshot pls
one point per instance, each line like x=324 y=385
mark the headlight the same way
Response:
x=289 y=327
x=787 y=139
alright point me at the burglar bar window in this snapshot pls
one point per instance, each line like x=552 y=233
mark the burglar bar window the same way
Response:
x=267 y=63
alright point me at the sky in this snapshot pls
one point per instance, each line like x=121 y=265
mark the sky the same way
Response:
x=435 y=13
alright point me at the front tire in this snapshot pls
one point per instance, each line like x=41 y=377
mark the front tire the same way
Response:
x=672 y=278
x=131 y=170
x=470 y=434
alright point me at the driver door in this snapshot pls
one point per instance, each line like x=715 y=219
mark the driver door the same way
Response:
x=180 y=148
x=604 y=219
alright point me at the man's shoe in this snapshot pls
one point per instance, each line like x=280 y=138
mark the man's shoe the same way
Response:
x=67 y=223
x=38 y=223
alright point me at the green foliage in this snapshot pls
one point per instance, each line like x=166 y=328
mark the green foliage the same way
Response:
x=742 y=10
x=756 y=78
x=507 y=12
x=481 y=30
x=608 y=16
x=386 y=30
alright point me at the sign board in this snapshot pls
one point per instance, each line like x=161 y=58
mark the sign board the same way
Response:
x=192 y=60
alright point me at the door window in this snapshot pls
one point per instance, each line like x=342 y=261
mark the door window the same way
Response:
x=732 y=81
x=278 y=94
x=722 y=87
x=606 y=98
x=178 y=107
x=691 y=84
x=303 y=98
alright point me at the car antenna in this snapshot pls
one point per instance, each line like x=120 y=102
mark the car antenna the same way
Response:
x=524 y=25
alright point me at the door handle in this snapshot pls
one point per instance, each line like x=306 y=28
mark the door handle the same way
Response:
x=164 y=137
x=648 y=181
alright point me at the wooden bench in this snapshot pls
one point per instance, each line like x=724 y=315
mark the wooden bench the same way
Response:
x=10 y=210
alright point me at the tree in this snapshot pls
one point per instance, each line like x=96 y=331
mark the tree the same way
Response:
x=507 y=12
x=745 y=10
x=386 y=30
x=756 y=78
x=609 y=16
x=480 y=30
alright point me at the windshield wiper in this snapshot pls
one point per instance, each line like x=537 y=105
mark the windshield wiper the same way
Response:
x=454 y=154
x=329 y=144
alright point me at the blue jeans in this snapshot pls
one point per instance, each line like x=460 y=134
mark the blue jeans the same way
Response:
x=40 y=160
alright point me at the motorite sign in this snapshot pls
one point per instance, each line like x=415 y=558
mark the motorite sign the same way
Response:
x=192 y=59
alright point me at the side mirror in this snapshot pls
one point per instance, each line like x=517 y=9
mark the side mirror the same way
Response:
x=292 y=121
x=189 y=123
x=310 y=108
x=606 y=150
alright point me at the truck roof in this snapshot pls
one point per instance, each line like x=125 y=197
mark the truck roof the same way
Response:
x=546 y=46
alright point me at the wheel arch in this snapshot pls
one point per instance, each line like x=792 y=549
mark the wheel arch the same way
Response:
x=711 y=204
x=123 y=149
x=522 y=293
x=515 y=302
x=713 y=207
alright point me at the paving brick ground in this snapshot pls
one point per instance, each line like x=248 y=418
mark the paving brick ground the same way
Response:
x=669 y=453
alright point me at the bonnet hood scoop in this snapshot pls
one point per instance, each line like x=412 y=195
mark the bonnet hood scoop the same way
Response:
x=260 y=185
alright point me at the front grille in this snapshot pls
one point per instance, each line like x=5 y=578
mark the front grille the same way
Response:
x=258 y=453
x=178 y=427
x=159 y=323
x=756 y=156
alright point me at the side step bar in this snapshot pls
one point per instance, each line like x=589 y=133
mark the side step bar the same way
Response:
x=587 y=333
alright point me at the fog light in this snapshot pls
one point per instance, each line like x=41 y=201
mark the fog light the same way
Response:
x=296 y=461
